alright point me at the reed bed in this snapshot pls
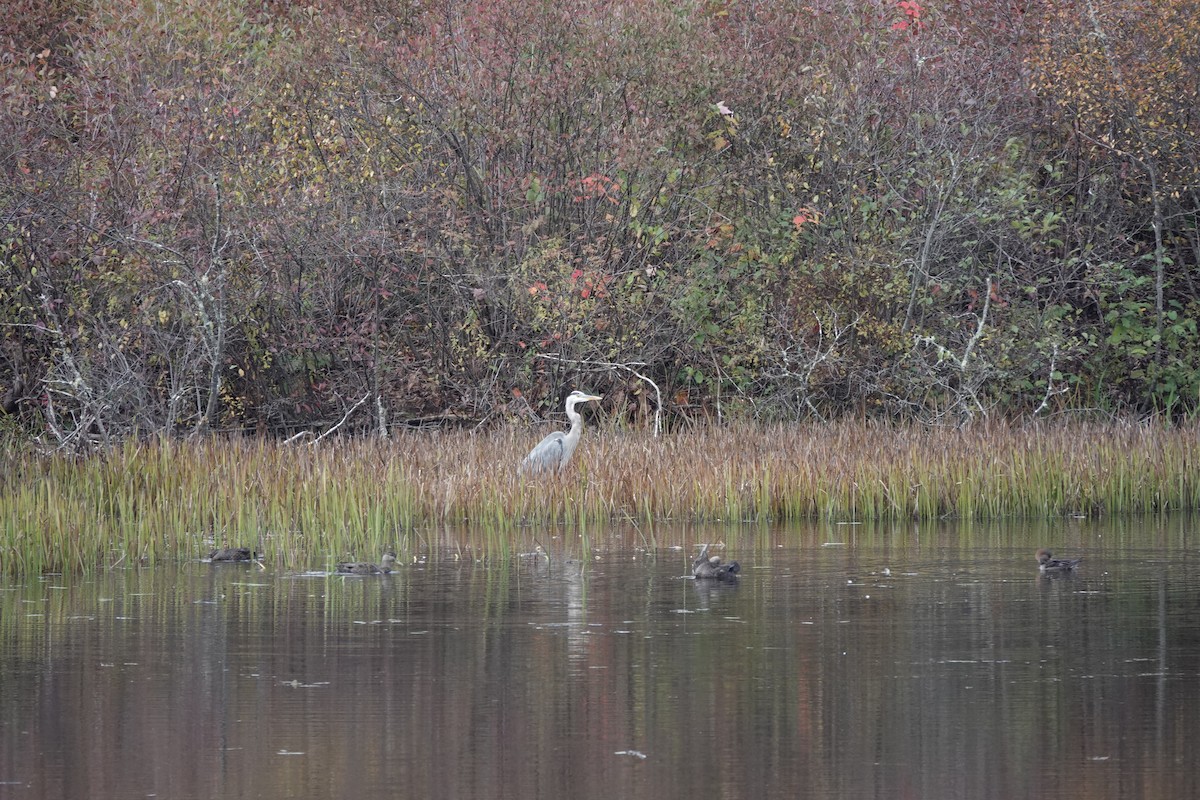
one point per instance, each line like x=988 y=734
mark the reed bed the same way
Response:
x=438 y=492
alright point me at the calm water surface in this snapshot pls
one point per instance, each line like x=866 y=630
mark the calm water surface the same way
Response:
x=907 y=664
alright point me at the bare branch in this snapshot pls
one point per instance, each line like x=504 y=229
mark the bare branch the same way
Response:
x=1050 y=390
x=613 y=365
x=342 y=421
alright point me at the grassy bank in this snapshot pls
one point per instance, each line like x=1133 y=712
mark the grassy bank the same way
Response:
x=167 y=500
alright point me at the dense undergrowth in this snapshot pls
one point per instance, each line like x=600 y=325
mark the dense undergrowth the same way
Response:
x=271 y=217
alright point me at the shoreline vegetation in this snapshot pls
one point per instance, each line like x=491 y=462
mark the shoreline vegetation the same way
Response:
x=171 y=500
x=270 y=216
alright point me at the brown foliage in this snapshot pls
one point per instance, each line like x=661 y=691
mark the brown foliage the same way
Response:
x=219 y=216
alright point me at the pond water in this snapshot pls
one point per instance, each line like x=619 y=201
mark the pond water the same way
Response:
x=911 y=663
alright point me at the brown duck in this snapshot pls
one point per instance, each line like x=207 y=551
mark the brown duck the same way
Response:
x=706 y=568
x=366 y=567
x=228 y=554
x=1047 y=563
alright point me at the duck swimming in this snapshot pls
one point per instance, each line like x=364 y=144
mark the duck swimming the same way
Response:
x=366 y=567
x=1048 y=564
x=226 y=554
x=706 y=568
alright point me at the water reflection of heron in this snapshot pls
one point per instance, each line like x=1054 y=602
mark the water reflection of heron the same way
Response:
x=711 y=568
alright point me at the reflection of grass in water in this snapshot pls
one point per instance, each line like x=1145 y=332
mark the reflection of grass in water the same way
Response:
x=307 y=507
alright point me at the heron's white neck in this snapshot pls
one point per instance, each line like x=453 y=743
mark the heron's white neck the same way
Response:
x=573 y=415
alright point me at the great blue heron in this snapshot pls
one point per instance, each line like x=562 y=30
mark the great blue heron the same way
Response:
x=225 y=554
x=1048 y=563
x=553 y=452
x=704 y=567
x=366 y=567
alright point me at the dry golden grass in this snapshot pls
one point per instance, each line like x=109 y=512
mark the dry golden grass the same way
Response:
x=167 y=500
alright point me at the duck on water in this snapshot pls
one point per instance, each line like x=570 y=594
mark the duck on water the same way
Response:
x=366 y=567
x=1047 y=563
x=231 y=554
x=705 y=567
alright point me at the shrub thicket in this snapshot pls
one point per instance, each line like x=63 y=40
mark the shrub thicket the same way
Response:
x=227 y=215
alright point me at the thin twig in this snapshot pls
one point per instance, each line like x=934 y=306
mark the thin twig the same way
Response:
x=613 y=365
x=342 y=421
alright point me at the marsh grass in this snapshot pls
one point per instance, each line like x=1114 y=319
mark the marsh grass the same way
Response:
x=459 y=493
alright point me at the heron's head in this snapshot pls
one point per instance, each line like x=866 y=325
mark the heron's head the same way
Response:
x=577 y=397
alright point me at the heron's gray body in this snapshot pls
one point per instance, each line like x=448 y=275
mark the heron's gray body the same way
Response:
x=554 y=452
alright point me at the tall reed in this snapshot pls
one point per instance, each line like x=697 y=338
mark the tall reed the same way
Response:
x=145 y=501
